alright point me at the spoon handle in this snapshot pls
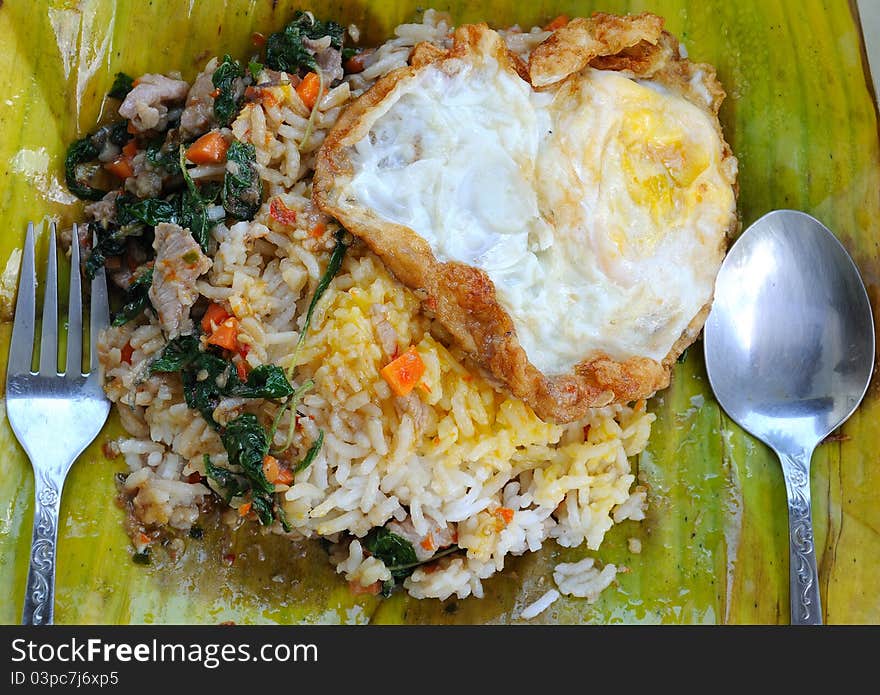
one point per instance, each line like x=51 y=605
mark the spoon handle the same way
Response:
x=806 y=607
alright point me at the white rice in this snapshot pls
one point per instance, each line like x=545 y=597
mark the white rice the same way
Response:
x=542 y=604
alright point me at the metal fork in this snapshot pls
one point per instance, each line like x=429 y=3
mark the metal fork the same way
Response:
x=54 y=415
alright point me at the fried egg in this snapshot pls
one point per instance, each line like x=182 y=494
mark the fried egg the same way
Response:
x=597 y=208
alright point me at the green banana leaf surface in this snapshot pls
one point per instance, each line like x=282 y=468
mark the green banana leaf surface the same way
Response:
x=801 y=118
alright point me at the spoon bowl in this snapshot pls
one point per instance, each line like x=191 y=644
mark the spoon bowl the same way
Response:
x=789 y=346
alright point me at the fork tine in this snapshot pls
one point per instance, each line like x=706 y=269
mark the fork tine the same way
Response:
x=21 y=347
x=73 y=366
x=49 y=341
x=100 y=314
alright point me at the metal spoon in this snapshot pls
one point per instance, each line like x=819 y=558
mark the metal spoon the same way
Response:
x=789 y=349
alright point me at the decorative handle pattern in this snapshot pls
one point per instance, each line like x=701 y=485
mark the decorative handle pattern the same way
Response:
x=806 y=607
x=39 y=598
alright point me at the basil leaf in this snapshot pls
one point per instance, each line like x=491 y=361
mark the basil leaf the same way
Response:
x=264 y=508
x=225 y=478
x=246 y=444
x=151 y=211
x=396 y=552
x=177 y=354
x=242 y=188
x=285 y=50
x=310 y=454
x=333 y=266
x=137 y=298
x=265 y=381
x=78 y=153
x=226 y=105
x=122 y=85
x=111 y=241
x=255 y=68
x=118 y=133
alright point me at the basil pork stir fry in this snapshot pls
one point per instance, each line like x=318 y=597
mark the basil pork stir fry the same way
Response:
x=159 y=182
x=273 y=374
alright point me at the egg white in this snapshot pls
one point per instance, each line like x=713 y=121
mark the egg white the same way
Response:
x=598 y=208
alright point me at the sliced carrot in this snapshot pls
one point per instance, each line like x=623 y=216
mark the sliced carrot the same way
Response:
x=428 y=542
x=557 y=23
x=121 y=167
x=505 y=515
x=405 y=372
x=130 y=129
x=356 y=588
x=225 y=335
x=271 y=468
x=214 y=316
x=355 y=63
x=285 y=477
x=308 y=90
x=130 y=149
x=276 y=472
x=279 y=212
x=258 y=39
x=127 y=352
x=241 y=370
x=209 y=149
x=215 y=93
x=244 y=509
x=318 y=230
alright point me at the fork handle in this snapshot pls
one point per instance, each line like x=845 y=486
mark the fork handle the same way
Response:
x=806 y=606
x=39 y=598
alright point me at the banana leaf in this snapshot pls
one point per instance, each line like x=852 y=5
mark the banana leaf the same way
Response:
x=801 y=118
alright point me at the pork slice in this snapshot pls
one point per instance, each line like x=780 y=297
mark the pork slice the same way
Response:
x=198 y=114
x=329 y=59
x=179 y=263
x=146 y=105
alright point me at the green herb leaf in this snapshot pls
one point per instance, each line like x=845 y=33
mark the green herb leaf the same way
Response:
x=177 y=354
x=122 y=85
x=118 y=133
x=285 y=50
x=137 y=298
x=226 y=105
x=163 y=157
x=246 y=444
x=111 y=241
x=79 y=153
x=242 y=188
x=310 y=454
x=264 y=508
x=231 y=483
x=194 y=205
x=194 y=216
x=255 y=68
x=265 y=381
x=388 y=588
x=333 y=266
x=151 y=211
x=393 y=550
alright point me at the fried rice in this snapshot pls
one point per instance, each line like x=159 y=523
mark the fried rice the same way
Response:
x=465 y=473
